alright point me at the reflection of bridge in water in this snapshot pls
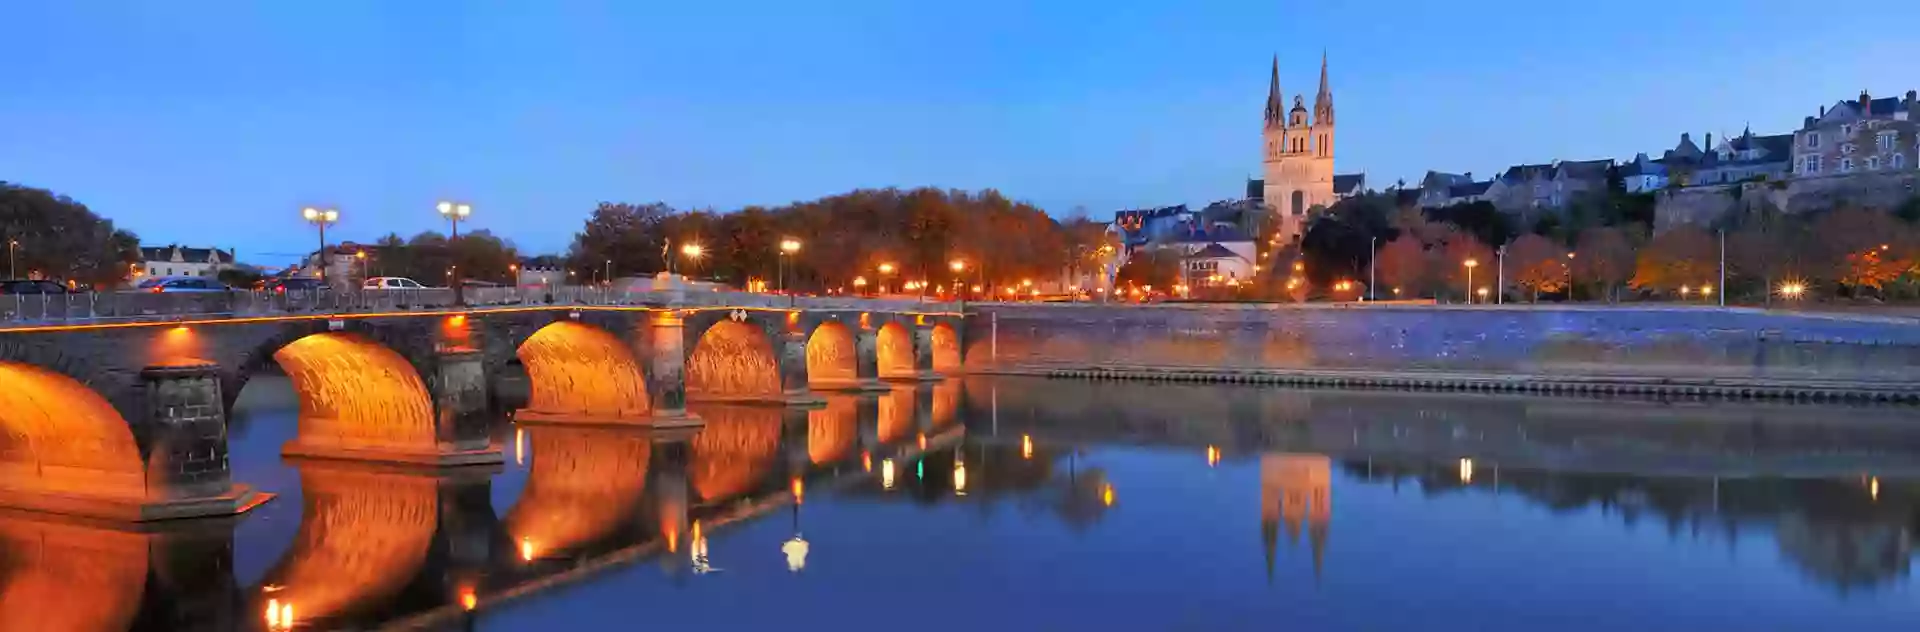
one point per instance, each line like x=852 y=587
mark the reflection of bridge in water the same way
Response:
x=380 y=544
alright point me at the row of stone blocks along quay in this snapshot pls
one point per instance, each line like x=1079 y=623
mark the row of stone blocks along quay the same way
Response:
x=127 y=419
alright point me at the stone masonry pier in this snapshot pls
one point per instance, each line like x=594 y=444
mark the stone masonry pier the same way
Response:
x=1673 y=351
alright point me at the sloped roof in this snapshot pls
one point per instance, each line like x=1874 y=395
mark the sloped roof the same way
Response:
x=1349 y=183
x=1201 y=232
x=187 y=255
x=1470 y=188
x=1214 y=251
x=1585 y=169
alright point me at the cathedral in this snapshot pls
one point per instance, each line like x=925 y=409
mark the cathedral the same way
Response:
x=1298 y=165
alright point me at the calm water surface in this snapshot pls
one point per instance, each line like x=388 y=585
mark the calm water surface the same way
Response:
x=1049 y=505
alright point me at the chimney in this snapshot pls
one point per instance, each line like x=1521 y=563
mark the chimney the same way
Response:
x=1709 y=141
x=1910 y=95
x=1469 y=175
x=1823 y=111
x=1808 y=124
x=1866 y=104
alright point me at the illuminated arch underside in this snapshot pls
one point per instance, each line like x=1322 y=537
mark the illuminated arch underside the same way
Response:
x=732 y=361
x=832 y=358
x=894 y=348
x=946 y=349
x=357 y=394
x=896 y=414
x=832 y=430
x=582 y=369
x=363 y=537
x=61 y=576
x=58 y=436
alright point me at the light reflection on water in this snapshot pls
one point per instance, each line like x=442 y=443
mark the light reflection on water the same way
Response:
x=1051 y=505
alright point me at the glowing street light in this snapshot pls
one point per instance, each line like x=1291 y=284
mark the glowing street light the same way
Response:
x=1792 y=289
x=317 y=217
x=859 y=284
x=788 y=246
x=886 y=270
x=1471 y=264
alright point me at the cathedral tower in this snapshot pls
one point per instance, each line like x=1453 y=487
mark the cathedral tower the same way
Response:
x=1299 y=154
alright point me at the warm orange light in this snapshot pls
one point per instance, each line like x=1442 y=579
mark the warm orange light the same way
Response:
x=886 y=473
x=468 y=600
x=1026 y=446
x=793 y=318
x=923 y=441
x=1213 y=456
x=1873 y=488
x=457 y=320
x=1106 y=495
x=799 y=491
x=526 y=549
x=866 y=461
x=1466 y=470
x=959 y=478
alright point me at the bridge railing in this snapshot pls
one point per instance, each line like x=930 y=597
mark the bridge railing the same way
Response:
x=101 y=307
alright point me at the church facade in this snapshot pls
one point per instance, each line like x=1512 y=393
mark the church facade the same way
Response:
x=1298 y=161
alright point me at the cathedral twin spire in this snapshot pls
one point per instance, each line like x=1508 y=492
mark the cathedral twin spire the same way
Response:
x=1276 y=111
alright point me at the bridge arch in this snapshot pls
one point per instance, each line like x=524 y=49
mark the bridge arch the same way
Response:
x=576 y=369
x=58 y=436
x=894 y=351
x=733 y=360
x=735 y=452
x=946 y=348
x=584 y=483
x=833 y=430
x=364 y=535
x=357 y=394
x=832 y=357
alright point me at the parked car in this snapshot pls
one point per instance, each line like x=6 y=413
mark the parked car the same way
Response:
x=169 y=285
x=391 y=283
x=294 y=284
x=31 y=286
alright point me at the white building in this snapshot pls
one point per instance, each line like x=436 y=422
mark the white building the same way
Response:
x=176 y=260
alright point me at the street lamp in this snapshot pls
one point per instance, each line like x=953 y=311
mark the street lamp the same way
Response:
x=513 y=274
x=886 y=270
x=364 y=271
x=693 y=251
x=454 y=212
x=321 y=218
x=1372 y=254
x=1471 y=264
x=958 y=266
x=12 y=245
x=1569 y=276
x=859 y=285
x=788 y=246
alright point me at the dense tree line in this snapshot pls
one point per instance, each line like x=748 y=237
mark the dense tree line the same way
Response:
x=841 y=237
x=431 y=257
x=59 y=238
x=1604 y=248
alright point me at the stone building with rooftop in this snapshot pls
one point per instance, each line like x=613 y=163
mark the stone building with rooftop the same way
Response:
x=1856 y=136
x=1297 y=166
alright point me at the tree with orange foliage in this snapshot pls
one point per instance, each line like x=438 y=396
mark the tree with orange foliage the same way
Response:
x=1683 y=256
x=1402 y=267
x=1537 y=264
x=1456 y=248
x=1605 y=257
x=1863 y=247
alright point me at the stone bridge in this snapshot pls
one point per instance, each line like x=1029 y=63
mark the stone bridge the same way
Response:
x=125 y=418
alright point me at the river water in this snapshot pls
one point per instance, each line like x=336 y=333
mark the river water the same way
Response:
x=1063 y=505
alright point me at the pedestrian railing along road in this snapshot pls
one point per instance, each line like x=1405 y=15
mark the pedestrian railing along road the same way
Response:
x=27 y=310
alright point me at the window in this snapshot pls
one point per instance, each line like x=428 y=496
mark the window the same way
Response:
x=1812 y=165
x=1886 y=140
x=1846 y=165
x=1898 y=161
x=1846 y=130
x=1873 y=163
x=1846 y=149
x=1813 y=139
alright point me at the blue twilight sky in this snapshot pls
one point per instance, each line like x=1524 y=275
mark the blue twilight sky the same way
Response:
x=211 y=122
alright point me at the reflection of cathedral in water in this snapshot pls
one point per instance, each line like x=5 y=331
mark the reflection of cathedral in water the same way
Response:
x=1296 y=489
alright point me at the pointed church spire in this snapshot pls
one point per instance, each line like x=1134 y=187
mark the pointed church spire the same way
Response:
x=1323 y=102
x=1276 y=105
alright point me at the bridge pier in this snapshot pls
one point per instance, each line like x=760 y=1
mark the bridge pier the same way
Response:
x=455 y=383
x=793 y=371
x=923 y=353
x=667 y=374
x=866 y=344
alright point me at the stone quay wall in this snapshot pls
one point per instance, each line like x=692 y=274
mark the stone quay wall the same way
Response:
x=1698 y=351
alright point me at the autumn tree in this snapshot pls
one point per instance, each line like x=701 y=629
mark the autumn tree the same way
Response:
x=1402 y=267
x=1682 y=256
x=1454 y=249
x=623 y=237
x=1862 y=248
x=1767 y=247
x=1537 y=264
x=1604 y=257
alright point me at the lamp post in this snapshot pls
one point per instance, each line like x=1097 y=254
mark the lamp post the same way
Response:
x=1569 y=276
x=364 y=269
x=958 y=266
x=693 y=252
x=1723 y=266
x=12 y=245
x=1372 y=254
x=1471 y=264
x=454 y=212
x=513 y=275
x=788 y=246
x=1500 y=275
x=321 y=218
x=886 y=270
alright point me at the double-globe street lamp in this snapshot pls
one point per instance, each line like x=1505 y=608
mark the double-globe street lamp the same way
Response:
x=321 y=218
x=454 y=212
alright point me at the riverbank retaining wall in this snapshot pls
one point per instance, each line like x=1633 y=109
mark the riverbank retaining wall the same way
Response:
x=1679 y=349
